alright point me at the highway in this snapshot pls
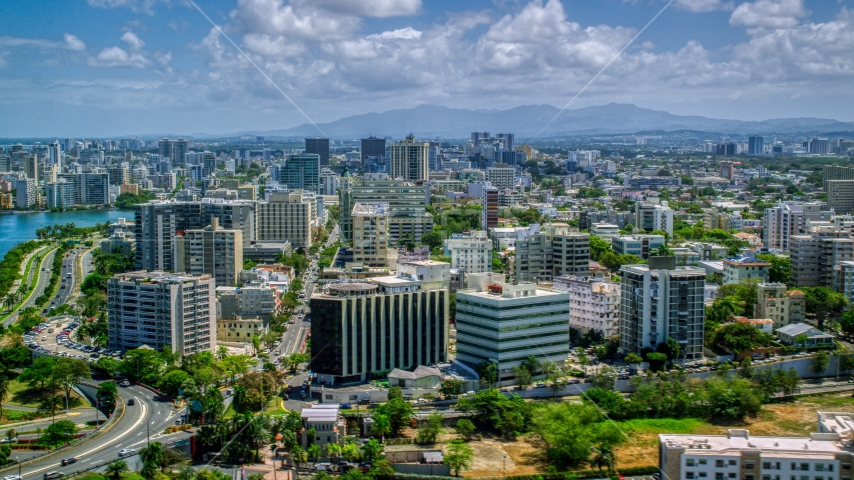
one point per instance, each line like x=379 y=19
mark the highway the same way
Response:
x=150 y=415
x=43 y=271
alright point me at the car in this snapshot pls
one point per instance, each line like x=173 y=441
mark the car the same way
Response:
x=179 y=421
x=127 y=451
x=69 y=460
x=52 y=475
x=285 y=397
x=12 y=477
x=44 y=339
x=302 y=393
x=345 y=406
x=124 y=383
x=289 y=389
x=8 y=440
x=131 y=402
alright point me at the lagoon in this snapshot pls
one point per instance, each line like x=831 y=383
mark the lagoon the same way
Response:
x=20 y=227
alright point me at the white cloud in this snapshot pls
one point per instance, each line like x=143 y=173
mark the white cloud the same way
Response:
x=370 y=8
x=135 y=5
x=770 y=14
x=301 y=22
x=134 y=42
x=74 y=43
x=407 y=33
x=703 y=6
x=118 y=57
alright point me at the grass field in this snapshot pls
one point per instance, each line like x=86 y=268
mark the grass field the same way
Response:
x=21 y=395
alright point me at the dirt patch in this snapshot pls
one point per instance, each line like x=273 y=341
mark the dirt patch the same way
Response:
x=492 y=456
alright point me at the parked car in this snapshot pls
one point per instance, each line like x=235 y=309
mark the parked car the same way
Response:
x=345 y=406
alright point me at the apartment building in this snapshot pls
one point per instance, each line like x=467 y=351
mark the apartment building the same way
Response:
x=285 y=217
x=652 y=216
x=551 y=252
x=745 y=268
x=738 y=455
x=470 y=251
x=502 y=178
x=60 y=195
x=406 y=201
x=506 y=323
x=367 y=328
x=813 y=258
x=370 y=234
x=160 y=309
x=783 y=307
x=158 y=223
x=26 y=194
x=489 y=208
x=660 y=301
x=789 y=219
x=840 y=195
x=638 y=245
x=255 y=299
x=409 y=160
x=211 y=250
x=89 y=188
x=594 y=304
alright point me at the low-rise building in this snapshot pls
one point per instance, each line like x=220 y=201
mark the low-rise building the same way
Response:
x=781 y=306
x=605 y=231
x=326 y=422
x=239 y=330
x=744 y=268
x=803 y=335
x=594 y=304
x=638 y=245
x=256 y=299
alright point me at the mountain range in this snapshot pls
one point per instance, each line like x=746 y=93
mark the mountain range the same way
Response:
x=432 y=121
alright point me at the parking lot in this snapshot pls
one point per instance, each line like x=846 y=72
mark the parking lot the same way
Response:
x=58 y=337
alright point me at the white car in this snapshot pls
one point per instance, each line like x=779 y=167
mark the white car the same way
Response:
x=12 y=477
x=126 y=451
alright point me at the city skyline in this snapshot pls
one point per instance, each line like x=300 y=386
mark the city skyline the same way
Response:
x=116 y=67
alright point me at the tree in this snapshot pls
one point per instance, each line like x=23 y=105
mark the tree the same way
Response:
x=781 y=267
x=399 y=413
x=430 y=429
x=740 y=337
x=819 y=362
x=68 y=372
x=152 y=459
x=569 y=430
x=38 y=375
x=395 y=392
x=598 y=247
x=108 y=392
x=174 y=381
x=372 y=450
x=464 y=427
x=633 y=359
x=314 y=451
x=451 y=388
x=846 y=323
x=603 y=456
x=381 y=426
x=142 y=364
x=488 y=372
x=4 y=390
x=846 y=362
x=58 y=433
x=613 y=262
x=491 y=411
x=823 y=301
x=656 y=360
x=116 y=469
x=106 y=366
x=460 y=456
x=523 y=377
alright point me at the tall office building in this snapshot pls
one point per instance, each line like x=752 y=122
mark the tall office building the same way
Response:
x=507 y=141
x=489 y=208
x=370 y=234
x=301 y=172
x=406 y=205
x=285 y=217
x=212 y=251
x=26 y=195
x=157 y=223
x=69 y=144
x=366 y=328
x=320 y=147
x=836 y=172
x=175 y=150
x=31 y=167
x=819 y=146
x=477 y=137
x=373 y=147
x=409 y=160
x=840 y=196
x=60 y=194
x=755 y=145
x=159 y=309
x=661 y=301
x=89 y=188
x=506 y=323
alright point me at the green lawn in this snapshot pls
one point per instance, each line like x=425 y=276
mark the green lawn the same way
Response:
x=21 y=395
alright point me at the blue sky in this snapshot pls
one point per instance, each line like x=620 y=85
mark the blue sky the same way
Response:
x=102 y=68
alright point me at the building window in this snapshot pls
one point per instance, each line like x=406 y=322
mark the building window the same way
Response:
x=719 y=476
x=719 y=463
x=689 y=462
x=689 y=475
x=749 y=464
x=732 y=462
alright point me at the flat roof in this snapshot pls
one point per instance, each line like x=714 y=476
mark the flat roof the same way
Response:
x=717 y=444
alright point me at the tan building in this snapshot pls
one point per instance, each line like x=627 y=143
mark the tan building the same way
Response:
x=129 y=188
x=370 y=234
x=211 y=250
x=238 y=330
x=782 y=307
x=7 y=201
x=285 y=217
x=409 y=160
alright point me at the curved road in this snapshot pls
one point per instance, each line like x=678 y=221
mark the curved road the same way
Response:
x=150 y=415
x=43 y=272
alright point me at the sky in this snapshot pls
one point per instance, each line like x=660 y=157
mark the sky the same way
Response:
x=110 y=68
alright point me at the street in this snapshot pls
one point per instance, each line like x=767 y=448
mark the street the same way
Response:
x=43 y=272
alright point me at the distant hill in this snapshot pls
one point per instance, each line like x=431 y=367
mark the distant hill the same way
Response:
x=428 y=121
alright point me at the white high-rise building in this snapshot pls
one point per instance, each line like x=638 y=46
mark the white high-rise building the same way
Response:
x=650 y=217
x=470 y=252
x=409 y=160
x=788 y=219
x=502 y=178
x=594 y=304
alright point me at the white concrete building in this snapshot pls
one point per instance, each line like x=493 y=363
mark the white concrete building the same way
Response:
x=471 y=252
x=788 y=219
x=502 y=178
x=650 y=217
x=594 y=304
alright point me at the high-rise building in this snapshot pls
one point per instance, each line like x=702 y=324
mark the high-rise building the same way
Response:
x=506 y=323
x=175 y=150
x=370 y=234
x=320 y=147
x=159 y=309
x=595 y=304
x=661 y=301
x=211 y=250
x=813 y=258
x=470 y=251
x=788 y=219
x=285 y=217
x=502 y=178
x=329 y=182
x=409 y=160
x=507 y=141
x=69 y=144
x=159 y=222
x=406 y=205
x=551 y=252
x=836 y=172
x=650 y=217
x=726 y=149
x=26 y=194
x=366 y=328
x=373 y=147
x=840 y=196
x=32 y=167
x=477 y=137
x=489 y=204
x=60 y=194
x=89 y=188
x=301 y=172
x=819 y=146
x=755 y=145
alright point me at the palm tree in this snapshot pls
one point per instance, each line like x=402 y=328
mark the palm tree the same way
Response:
x=381 y=426
x=299 y=455
x=333 y=450
x=603 y=456
x=186 y=473
x=4 y=390
x=116 y=469
x=314 y=451
x=152 y=458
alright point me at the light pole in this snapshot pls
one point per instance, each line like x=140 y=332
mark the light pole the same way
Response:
x=505 y=466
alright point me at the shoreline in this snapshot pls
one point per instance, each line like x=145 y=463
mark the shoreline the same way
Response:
x=25 y=212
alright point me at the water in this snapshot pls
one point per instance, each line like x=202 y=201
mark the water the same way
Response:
x=18 y=228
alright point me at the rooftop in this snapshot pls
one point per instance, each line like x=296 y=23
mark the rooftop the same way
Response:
x=818 y=445
x=370 y=209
